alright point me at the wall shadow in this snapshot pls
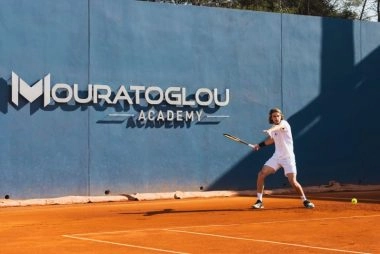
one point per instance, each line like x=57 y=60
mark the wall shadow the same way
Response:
x=336 y=135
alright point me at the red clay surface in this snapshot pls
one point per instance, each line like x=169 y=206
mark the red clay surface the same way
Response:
x=203 y=225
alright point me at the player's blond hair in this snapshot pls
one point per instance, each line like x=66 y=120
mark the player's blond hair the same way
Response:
x=275 y=110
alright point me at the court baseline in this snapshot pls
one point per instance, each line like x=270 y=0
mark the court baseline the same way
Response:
x=190 y=230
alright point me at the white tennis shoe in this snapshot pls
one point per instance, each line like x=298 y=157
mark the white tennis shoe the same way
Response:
x=308 y=204
x=258 y=205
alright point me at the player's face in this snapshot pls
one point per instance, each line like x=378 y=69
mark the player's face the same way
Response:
x=276 y=117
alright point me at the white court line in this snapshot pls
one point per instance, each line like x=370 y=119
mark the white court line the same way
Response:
x=266 y=241
x=225 y=225
x=277 y=221
x=177 y=229
x=123 y=244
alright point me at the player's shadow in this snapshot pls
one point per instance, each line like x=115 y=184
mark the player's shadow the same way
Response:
x=173 y=211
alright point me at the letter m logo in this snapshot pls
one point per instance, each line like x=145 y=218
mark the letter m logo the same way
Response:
x=30 y=93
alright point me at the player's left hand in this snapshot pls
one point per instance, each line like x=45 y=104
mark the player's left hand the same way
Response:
x=267 y=132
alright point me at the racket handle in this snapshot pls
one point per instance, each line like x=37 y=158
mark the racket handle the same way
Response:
x=252 y=146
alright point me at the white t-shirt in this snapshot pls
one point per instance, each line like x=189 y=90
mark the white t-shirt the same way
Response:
x=283 y=141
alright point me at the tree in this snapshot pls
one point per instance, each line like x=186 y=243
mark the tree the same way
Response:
x=370 y=10
x=364 y=9
x=347 y=9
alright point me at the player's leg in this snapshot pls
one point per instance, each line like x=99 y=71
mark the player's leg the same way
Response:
x=295 y=184
x=264 y=172
x=292 y=178
x=290 y=171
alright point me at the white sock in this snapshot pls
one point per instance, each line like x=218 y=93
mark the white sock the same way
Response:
x=260 y=196
x=303 y=198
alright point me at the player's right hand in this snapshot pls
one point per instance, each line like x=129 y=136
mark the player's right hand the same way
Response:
x=255 y=147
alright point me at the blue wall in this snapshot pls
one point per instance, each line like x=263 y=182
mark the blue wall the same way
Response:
x=321 y=71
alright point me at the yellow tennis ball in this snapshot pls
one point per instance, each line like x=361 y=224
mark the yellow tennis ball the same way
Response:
x=354 y=201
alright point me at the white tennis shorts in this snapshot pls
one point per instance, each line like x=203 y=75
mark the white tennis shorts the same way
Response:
x=288 y=164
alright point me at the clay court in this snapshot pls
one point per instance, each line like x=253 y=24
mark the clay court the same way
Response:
x=197 y=225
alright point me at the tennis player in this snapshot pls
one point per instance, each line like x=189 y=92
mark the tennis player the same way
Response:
x=280 y=134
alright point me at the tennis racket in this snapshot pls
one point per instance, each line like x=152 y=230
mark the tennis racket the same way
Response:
x=236 y=139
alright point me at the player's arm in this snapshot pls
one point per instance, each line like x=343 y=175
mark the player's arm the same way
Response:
x=277 y=127
x=268 y=141
x=280 y=127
